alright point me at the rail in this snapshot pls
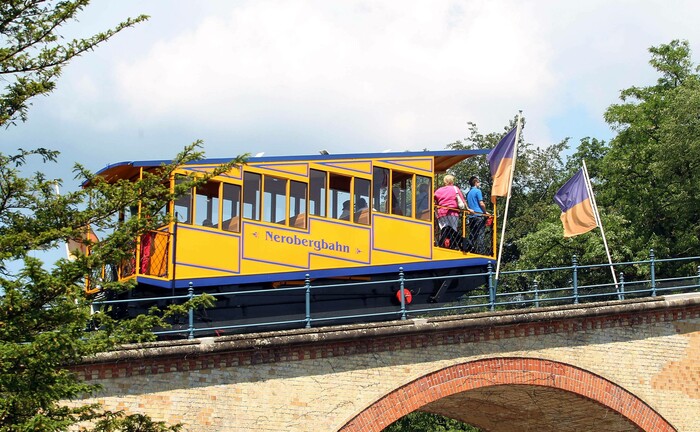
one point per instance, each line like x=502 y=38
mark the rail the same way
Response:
x=570 y=284
x=149 y=256
x=464 y=230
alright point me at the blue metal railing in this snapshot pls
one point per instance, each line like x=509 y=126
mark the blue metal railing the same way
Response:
x=515 y=289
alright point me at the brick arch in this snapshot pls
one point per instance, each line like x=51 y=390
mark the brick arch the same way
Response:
x=505 y=371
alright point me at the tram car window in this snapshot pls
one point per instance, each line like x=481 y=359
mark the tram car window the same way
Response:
x=275 y=200
x=317 y=193
x=206 y=208
x=251 y=195
x=361 y=196
x=380 y=180
x=183 y=205
x=401 y=188
x=297 y=204
x=424 y=197
x=340 y=193
x=231 y=207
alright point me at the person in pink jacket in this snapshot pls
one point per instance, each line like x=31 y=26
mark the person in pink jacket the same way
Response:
x=448 y=206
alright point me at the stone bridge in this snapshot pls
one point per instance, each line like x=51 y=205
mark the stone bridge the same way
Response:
x=615 y=366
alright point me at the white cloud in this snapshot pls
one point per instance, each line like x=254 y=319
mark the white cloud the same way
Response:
x=410 y=72
x=296 y=76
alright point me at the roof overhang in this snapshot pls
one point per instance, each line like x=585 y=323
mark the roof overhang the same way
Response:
x=444 y=160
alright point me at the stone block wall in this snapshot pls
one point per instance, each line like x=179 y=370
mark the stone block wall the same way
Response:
x=632 y=364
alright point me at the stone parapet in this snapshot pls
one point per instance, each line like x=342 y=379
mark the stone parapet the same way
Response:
x=347 y=376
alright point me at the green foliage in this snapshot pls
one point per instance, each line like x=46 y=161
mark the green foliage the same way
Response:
x=538 y=173
x=475 y=165
x=547 y=245
x=651 y=170
x=419 y=421
x=44 y=313
x=118 y=422
x=33 y=53
x=646 y=180
x=590 y=150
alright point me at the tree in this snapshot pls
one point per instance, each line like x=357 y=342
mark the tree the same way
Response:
x=44 y=313
x=651 y=170
x=419 y=421
x=33 y=52
x=538 y=172
x=645 y=179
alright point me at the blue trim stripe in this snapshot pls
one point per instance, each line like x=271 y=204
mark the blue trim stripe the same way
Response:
x=308 y=158
x=277 y=168
x=410 y=167
x=211 y=230
x=316 y=274
x=403 y=219
x=310 y=252
x=341 y=166
x=277 y=263
x=219 y=269
x=394 y=252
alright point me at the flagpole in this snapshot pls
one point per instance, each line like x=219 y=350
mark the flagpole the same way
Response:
x=589 y=186
x=510 y=185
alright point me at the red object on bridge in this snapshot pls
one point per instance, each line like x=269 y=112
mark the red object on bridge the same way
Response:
x=408 y=297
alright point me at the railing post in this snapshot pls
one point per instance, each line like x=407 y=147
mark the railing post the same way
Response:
x=621 y=293
x=403 y=295
x=307 y=296
x=697 y=282
x=492 y=289
x=190 y=312
x=537 y=293
x=653 y=272
x=174 y=260
x=574 y=280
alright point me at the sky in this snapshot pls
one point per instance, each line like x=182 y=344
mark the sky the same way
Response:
x=297 y=76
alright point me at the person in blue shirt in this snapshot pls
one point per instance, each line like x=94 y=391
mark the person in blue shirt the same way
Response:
x=477 y=220
x=475 y=199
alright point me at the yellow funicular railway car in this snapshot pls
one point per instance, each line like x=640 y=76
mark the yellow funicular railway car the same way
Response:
x=351 y=221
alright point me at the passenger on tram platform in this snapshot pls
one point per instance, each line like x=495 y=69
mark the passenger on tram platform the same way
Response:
x=477 y=220
x=446 y=199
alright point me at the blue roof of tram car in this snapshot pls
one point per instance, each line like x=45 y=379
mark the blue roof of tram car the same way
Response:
x=449 y=158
